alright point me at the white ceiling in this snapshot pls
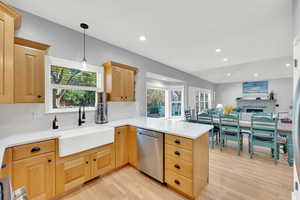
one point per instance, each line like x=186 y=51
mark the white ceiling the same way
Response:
x=183 y=34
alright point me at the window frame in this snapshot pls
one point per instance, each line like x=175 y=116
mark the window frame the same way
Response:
x=168 y=99
x=209 y=99
x=49 y=60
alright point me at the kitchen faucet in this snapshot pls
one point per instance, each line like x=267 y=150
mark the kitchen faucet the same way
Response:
x=81 y=117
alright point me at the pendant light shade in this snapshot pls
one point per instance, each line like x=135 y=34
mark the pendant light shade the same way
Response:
x=84 y=27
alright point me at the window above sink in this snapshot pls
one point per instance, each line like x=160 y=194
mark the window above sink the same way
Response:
x=69 y=85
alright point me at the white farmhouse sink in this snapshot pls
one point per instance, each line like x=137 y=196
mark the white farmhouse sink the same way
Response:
x=81 y=139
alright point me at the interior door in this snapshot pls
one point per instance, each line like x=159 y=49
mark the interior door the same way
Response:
x=29 y=75
x=37 y=175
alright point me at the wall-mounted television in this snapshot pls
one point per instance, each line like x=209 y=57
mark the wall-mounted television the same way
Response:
x=255 y=89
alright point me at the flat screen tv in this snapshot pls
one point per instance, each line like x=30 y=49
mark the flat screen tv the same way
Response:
x=255 y=89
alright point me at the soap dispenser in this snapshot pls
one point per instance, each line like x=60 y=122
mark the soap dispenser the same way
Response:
x=55 y=123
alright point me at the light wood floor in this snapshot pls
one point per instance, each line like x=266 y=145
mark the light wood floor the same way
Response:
x=232 y=177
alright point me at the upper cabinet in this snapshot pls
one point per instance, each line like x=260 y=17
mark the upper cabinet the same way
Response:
x=29 y=71
x=120 y=81
x=9 y=21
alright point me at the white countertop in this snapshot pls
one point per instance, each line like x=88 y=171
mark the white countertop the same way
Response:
x=174 y=127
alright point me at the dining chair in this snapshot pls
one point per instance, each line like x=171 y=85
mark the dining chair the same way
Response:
x=230 y=130
x=206 y=118
x=188 y=114
x=264 y=133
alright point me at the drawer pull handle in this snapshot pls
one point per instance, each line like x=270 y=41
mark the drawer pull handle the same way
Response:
x=39 y=96
x=177 y=182
x=35 y=149
x=177 y=141
x=3 y=165
x=95 y=160
x=177 y=153
x=177 y=166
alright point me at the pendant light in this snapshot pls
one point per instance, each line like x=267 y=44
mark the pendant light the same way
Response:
x=84 y=27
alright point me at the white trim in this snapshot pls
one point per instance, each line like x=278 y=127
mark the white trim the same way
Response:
x=49 y=60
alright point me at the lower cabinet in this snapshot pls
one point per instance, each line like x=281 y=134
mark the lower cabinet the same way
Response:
x=37 y=175
x=103 y=161
x=72 y=171
x=121 y=142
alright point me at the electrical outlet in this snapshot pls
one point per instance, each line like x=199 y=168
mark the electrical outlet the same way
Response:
x=38 y=115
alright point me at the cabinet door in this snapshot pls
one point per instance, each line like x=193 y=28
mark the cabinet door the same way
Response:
x=103 y=161
x=72 y=173
x=29 y=75
x=37 y=175
x=5 y=168
x=121 y=146
x=128 y=85
x=6 y=58
x=117 y=93
x=132 y=146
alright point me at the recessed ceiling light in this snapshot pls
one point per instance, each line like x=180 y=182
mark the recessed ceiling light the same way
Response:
x=218 y=50
x=255 y=74
x=225 y=59
x=287 y=64
x=228 y=74
x=142 y=38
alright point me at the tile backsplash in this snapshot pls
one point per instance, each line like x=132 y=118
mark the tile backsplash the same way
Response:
x=21 y=118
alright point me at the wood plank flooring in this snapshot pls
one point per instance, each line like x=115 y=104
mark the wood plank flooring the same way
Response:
x=232 y=177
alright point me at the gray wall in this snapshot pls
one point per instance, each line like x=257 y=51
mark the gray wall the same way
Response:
x=283 y=89
x=296 y=16
x=66 y=43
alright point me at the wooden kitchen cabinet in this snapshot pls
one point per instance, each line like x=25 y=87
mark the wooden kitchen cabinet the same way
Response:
x=9 y=21
x=6 y=167
x=119 y=81
x=132 y=146
x=37 y=175
x=29 y=71
x=72 y=172
x=121 y=145
x=103 y=161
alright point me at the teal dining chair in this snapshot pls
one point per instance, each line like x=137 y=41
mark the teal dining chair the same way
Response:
x=264 y=133
x=188 y=114
x=206 y=118
x=230 y=130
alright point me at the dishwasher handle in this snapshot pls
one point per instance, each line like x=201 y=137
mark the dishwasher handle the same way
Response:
x=144 y=134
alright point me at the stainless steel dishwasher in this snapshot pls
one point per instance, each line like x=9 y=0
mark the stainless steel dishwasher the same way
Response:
x=151 y=153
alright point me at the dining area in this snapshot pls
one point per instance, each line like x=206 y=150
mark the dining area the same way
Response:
x=253 y=130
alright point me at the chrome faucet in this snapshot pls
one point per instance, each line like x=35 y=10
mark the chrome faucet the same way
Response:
x=81 y=117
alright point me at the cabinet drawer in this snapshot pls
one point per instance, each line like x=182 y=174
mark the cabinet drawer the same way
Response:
x=179 y=166
x=179 y=141
x=177 y=152
x=179 y=182
x=28 y=150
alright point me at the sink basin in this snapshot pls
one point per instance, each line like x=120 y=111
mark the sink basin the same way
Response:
x=77 y=140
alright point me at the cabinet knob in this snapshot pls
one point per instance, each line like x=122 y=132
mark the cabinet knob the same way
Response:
x=177 y=182
x=49 y=161
x=95 y=159
x=39 y=96
x=177 y=141
x=87 y=162
x=35 y=149
x=177 y=166
x=177 y=153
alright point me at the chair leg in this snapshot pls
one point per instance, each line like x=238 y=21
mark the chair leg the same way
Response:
x=275 y=154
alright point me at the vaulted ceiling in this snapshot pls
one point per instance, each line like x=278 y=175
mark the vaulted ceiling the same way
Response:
x=186 y=34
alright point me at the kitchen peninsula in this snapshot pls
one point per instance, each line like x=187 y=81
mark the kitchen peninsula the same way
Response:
x=185 y=155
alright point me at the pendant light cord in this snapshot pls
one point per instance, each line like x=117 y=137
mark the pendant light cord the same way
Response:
x=84 y=44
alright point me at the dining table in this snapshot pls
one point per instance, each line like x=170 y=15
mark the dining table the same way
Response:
x=284 y=130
